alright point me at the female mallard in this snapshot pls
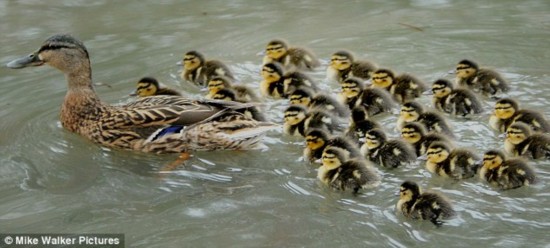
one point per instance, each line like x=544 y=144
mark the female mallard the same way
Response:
x=158 y=124
x=149 y=86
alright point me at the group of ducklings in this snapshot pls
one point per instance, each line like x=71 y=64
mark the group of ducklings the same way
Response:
x=348 y=154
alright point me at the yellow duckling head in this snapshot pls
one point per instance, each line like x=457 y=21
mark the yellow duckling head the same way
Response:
x=276 y=49
x=341 y=60
x=217 y=83
x=442 y=88
x=412 y=132
x=505 y=108
x=409 y=191
x=438 y=152
x=192 y=60
x=225 y=94
x=410 y=111
x=333 y=158
x=517 y=133
x=352 y=87
x=316 y=138
x=382 y=78
x=375 y=138
x=295 y=114
x=147 y=86
x=301 y=96
x=493 y=159
x=272 y=72
x=466 y=69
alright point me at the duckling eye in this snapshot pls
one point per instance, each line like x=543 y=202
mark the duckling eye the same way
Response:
x=379 y=77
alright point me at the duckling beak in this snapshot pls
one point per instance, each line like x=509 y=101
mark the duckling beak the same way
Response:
x=27 y=61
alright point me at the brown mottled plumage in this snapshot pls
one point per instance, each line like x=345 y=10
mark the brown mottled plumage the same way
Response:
x=158 y=124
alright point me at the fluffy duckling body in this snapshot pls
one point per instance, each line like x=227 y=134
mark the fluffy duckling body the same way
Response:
x=297 y=120
x=198 y=70
x=521 y=142
x=507 y=111
x=351 y=90
x=505 y=173
x=272 y=84
x=360 y=125
x=459 y=102
x=318 y=139
x=415 y=134
x=294 y=80
x=415 y=204
x=343 y=65
x=373 y=101
x=311 y=100
x=241 y=92
x=341 y=173
x=432 y=121
x=447 y=162
x=228 y=94
x=486 y=81
x=387 y=153
x=403 y=88
x=149 y=86
x=290 y=57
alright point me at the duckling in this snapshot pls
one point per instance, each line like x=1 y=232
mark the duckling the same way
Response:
x=272 y=84
x=486 y=81
x=290 y=57
x=447 y=162
x=415 y=204
x=507 y=111
x=242 y=93
x=376 y=101
x=198 y=70
x=307 y=98
x=432 y=121
x=318 y=139
x=149 y=86
x=506 y=173
x=387 y=153
x=294 y=80
x=351 y=90
x=520 y=142
x=297 y=120
x=415 y=134
x=228 y=94
x=343 y=65
x=341 y=173
x=403 y=88
x=460 y=102
x=360 y=125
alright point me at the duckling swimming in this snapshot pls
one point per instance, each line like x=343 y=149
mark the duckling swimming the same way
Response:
x=415 y=204
x=294 y=80
x=343 y=65
x=387 y=153
x=415 y=134
x=228 y=94
x=506 y=173
x=351 y=90
x=374 y=101
x=341 y=173
x=403 y=88
x=272 y=84
x=198 y=70
x=290 y=57
x=307 y=98
x=297 y=120
x=521 y=142
x=432 y=121
x=318 y=139
x=486 y=81
x=460 y=102
x=507 y=111
x=447 y=162
x=149 y=86
x=360 y=125
x=241 y=92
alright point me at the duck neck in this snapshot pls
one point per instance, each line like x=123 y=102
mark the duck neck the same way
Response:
x=81 y=101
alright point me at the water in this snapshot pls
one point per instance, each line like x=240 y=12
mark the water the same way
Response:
x=55 y=181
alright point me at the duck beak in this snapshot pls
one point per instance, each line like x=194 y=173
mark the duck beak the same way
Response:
x=27 y=61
